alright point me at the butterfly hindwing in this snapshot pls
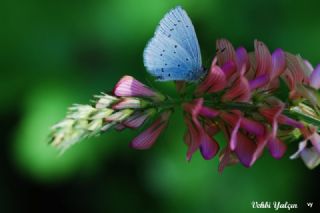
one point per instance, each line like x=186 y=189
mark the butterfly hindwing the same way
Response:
x=173 y=53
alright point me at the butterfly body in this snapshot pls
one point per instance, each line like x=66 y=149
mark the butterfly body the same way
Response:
x=173 y=53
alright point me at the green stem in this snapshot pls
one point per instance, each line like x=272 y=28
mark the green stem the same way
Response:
x=244 y=107
x=303 y=117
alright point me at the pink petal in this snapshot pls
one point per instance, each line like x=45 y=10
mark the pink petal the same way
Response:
x=130 y=87
x=136 y=120
x=119 y=127
x=194 y=108
x=263 y=58
x=214 y=81
x=261 y=144
x=191 y=139
x=218 y=80
x=278 y=63
x=147 y=138
x=210 y=127
x=132 y=103
x=276 y=147
x=225 y=52
x=315 y=78
x=227 y=158
x=234 y=135
x=240 y=90
x=294 y=73
x=273 y=113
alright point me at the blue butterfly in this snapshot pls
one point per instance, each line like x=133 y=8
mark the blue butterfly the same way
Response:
x=173 y=53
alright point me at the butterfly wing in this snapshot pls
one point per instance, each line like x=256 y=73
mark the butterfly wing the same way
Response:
x=173 y=53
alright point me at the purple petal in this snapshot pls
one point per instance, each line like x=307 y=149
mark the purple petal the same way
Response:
x=259 y=81
x=242 y=58
x=315 y=78
x=208 y=147
x=229 y=68
x=245 y=150
x=252 y=126
x=276 y=147
x=208 y=112
x=282 y=119
x=278 y=63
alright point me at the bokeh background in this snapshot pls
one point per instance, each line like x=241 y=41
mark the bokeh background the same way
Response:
x=55 y=53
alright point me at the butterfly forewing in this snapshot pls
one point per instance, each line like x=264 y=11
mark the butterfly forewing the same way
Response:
x=167 y=60
x=173 y=53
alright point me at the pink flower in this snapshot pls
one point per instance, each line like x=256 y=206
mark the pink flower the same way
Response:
x=130 y=87
x=147 y=138
x=276 y=147
x=238 y=130
x=197 y=136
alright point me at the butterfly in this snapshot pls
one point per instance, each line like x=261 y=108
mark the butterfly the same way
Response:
x=174 y=53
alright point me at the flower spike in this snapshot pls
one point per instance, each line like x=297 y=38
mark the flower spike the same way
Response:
x=254 y=99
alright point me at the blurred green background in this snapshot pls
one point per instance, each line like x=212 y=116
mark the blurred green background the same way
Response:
x=56 y=53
